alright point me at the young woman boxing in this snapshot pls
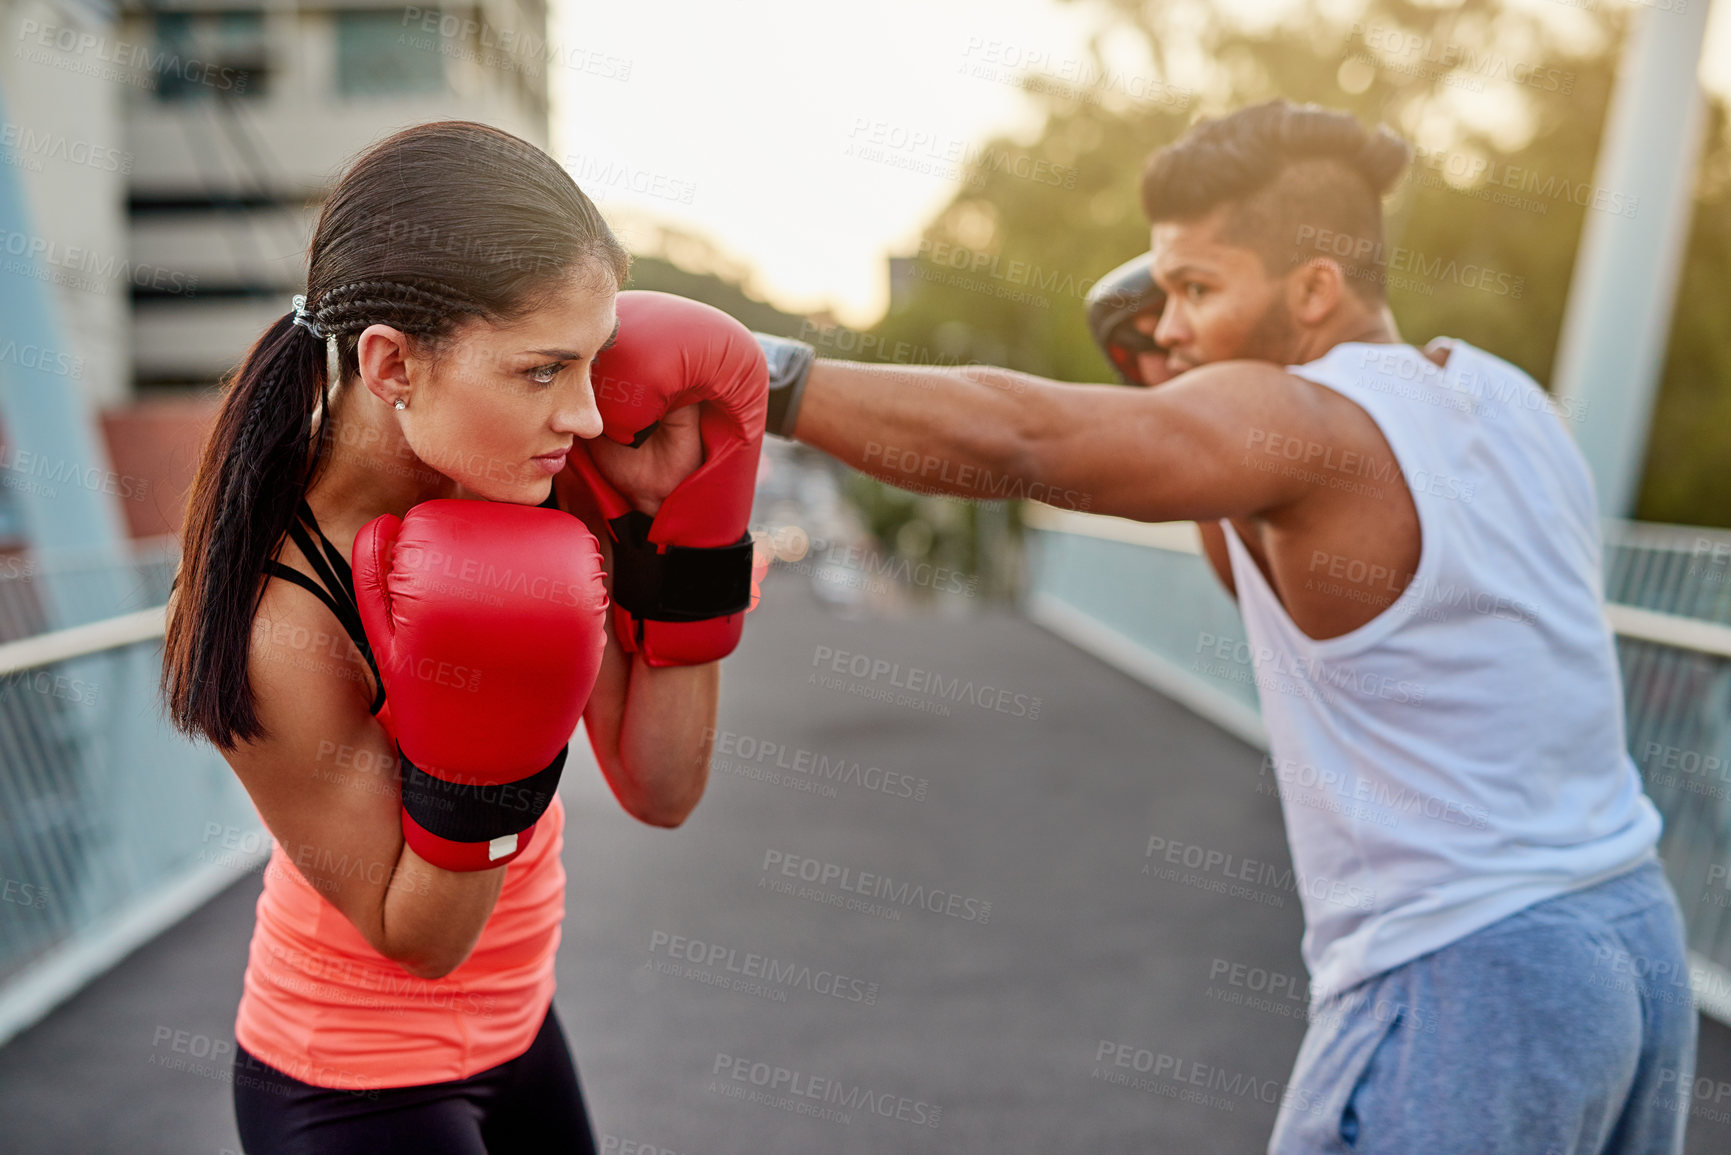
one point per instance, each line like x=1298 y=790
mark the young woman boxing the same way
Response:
x=389 y=621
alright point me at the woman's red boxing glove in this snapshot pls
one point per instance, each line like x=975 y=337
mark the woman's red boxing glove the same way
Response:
x=488 y=621
x=682 y=579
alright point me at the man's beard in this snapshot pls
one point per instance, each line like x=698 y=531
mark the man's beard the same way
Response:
x=1272 y=338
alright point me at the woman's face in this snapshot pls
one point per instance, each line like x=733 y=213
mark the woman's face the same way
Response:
x=497 y=407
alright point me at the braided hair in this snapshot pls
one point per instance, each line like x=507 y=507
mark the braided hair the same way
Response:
x=434 y=225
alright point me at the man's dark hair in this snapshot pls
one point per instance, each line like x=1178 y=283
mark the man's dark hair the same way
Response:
x=1301 y=181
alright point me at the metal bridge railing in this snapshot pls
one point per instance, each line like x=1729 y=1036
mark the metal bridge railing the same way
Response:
x=106 y=813
x=112 y=826
x=39 y=595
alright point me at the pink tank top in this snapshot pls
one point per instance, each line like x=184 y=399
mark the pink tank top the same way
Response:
x=322 y=1006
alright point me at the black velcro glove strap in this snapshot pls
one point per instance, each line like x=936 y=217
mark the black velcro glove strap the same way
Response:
x=680 y=583
x=463 y=812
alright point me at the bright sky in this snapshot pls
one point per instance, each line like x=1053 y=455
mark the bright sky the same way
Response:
x=784 y=130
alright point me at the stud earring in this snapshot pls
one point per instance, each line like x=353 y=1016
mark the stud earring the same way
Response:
x=401 y=404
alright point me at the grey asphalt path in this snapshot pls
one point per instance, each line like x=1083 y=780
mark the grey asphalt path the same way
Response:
x=878 y=986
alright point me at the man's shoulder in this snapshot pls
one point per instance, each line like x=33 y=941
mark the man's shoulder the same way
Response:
x=1368 y=357
x=1465 y=357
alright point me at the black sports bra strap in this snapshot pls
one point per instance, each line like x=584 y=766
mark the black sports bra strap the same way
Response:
x=317 y=557
x=278 y=569
x=339 y=592
x=340 y=564
x=343 y=593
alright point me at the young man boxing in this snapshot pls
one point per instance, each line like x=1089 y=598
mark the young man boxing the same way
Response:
x=1412 y=538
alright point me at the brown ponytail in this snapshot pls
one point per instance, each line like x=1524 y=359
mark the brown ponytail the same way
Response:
x=435 y=223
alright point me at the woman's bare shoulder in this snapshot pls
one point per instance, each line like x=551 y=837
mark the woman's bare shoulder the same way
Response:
x=299 y=651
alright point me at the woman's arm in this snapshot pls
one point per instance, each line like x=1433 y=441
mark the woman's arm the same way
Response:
x=326 y=782
x=651 y=728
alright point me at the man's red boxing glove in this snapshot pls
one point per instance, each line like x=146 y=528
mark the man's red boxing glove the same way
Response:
x=682 y=579
x=488 y=621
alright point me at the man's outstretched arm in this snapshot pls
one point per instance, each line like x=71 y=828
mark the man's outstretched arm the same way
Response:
x=1184 y=451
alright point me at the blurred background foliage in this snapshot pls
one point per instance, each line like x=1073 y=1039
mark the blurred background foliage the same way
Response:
x=1481 y=88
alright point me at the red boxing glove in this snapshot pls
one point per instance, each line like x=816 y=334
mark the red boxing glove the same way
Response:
x=488 y=621
x=682 y=580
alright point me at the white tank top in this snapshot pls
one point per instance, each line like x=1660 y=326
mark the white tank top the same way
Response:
x=1461 y=756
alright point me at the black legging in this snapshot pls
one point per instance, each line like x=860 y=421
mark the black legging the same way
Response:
x=530 y=1104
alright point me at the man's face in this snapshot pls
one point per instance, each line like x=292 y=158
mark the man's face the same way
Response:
x=1221 y=302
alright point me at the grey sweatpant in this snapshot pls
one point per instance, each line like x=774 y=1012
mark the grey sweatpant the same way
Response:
x=1564 y=1029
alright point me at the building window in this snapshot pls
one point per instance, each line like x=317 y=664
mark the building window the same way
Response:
x=385 y=54
x=203 y=54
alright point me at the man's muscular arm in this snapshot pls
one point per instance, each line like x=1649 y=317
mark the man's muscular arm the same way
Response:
x=1189 y=450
